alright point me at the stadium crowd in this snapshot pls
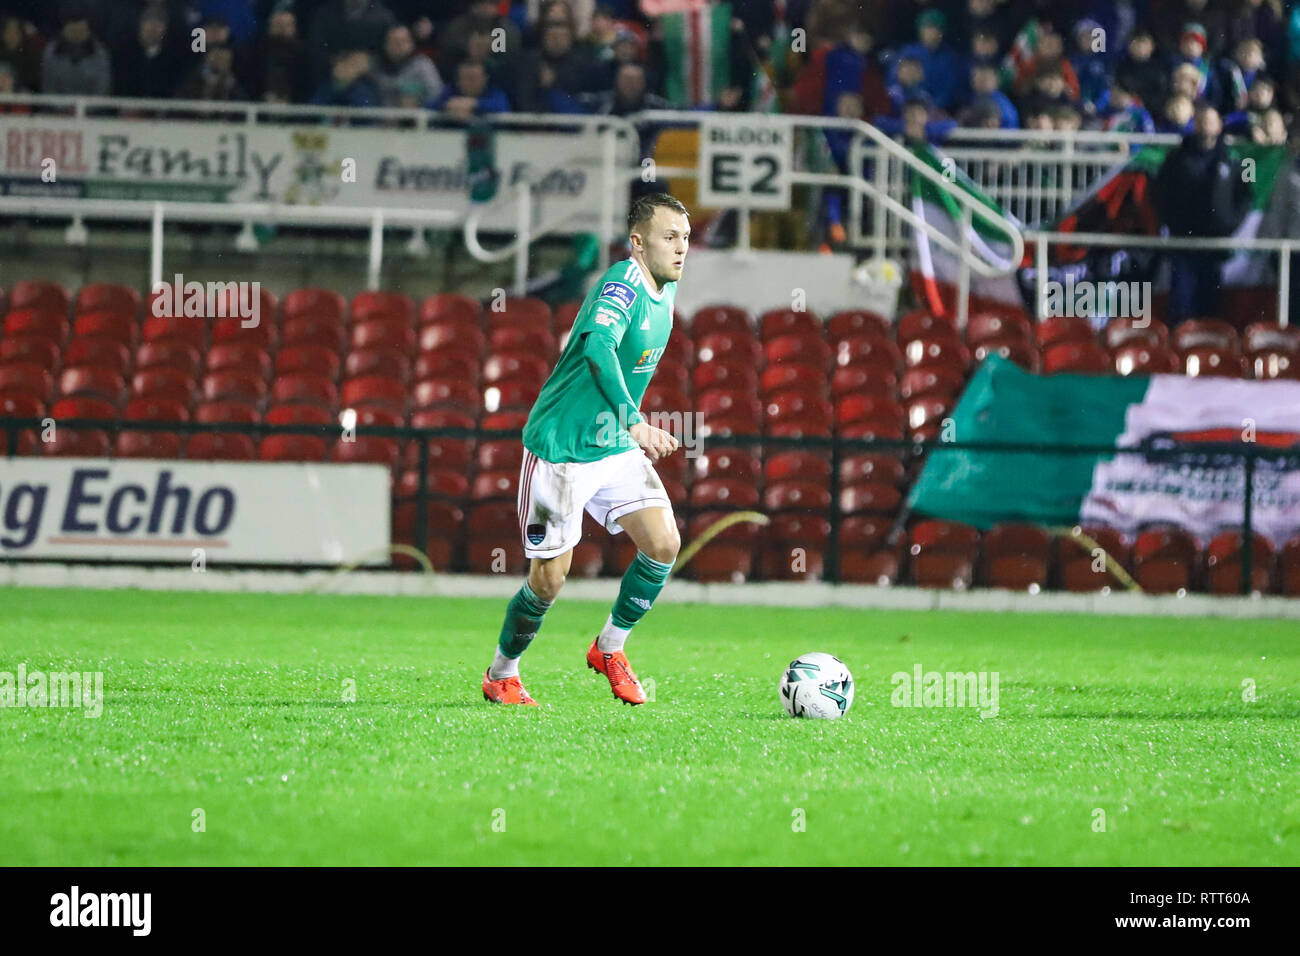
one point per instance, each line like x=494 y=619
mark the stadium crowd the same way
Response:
x=1138 y=65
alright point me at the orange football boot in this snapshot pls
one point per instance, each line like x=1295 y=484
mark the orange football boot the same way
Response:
x=622 y=681
x=508 y=690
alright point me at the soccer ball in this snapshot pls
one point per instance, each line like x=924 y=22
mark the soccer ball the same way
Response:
x=817 y=685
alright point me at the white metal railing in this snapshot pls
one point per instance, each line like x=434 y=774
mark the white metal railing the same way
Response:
x=1283 y=247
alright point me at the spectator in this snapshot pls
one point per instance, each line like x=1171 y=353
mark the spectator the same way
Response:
x=21 y=47
x=1139 y=71
x=1048 y=58
x=1089 y=66
x=919 y=126
x=76 y=64
x=852 y=67
x=940 y=64
x=551 y=76
x=402 y=70
x=1049 y=88
x=909 y=83
x=238 y=16
x=1259 y=101
x=984 y=16
x=1208 y=16
x=1123 y=112
x=214 y=78
x=625 y=47
x=631 y=94
x=350 y=83
x=1200 y=192
x=283 y=73
x=1237 y=73
x=984 y=88
x=150 y=67
x=471 y=95
x=482 y=17
x=9 y=84
x=344 y=26
x=1188 y=81
x=1177 y=115
x=1065 y=118
x=1192 y=53
x=1263 y=20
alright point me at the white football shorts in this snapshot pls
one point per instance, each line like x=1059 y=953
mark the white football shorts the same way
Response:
x=552 y=497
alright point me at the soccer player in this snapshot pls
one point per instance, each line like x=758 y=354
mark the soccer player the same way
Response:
x=587 y=446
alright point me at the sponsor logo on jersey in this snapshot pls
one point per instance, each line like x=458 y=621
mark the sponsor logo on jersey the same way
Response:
x=620 y=292
x=605 y=316
x=536 y=533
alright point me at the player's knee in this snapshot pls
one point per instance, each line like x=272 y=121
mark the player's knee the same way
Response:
x=665 y=546
x=546 y=579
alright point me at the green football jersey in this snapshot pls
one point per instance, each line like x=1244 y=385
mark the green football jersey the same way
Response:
x=577 y=417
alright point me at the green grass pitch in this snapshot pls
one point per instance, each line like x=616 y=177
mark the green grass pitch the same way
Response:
x=235 y=705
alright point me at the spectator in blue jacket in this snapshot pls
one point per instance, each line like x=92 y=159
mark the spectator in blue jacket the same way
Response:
x=984 y=90
x=942 y=66
x=909 y=82
x=471 y=95
x=1090 y=65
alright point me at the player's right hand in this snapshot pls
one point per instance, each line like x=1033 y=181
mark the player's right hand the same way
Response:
x=656 y=442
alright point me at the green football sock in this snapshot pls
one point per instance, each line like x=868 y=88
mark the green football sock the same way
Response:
x=523 y=621
x=642 y=582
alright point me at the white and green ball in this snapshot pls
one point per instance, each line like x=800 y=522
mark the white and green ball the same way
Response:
x=816 y=685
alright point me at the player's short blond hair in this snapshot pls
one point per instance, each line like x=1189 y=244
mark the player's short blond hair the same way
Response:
x=643 y=209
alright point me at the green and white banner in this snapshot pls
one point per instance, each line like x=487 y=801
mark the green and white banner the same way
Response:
x=1202 y=491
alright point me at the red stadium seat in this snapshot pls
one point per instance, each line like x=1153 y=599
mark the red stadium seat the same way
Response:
x=445 y=531
x=1017 y=557
x=1142 y=358
x=169 y=354
x=500 y=454
x=243 y=358
x=867 y=351
x=565 y=316
x=155 y=410
x=452 y=393
x=1020 y=351
x=931 y=381
x=512 y=395
x=946 y=352
x=488 y=485
x=387 y=363
x=232 y=385
x=301 y=388
x=220 y=447
x=375 y=390
x=925 y=416
x=1164 y=560
x=799 y=350
x=1206 y=333
x=1223 y=560
x=93 y=381
x=673 y=374
x=516 y=367
x=101 y=353
x=537 y=341
x=317 y=360
x=920 y=324
x=729 y=403
x=397 y=306
x=83 y=406
x=1062 y=329
x=1271 y=337
x=861 y=378
x=739 y=464
x=680 y=349
x=385 y=332
x=163 y=383
x=1275 y=365
x=20 y=406
x=990 y=326
x=453 y=336
x=239 y=413
x=661 y=398
x=943 y=554
x=785 y=407
x=1080 y=567
x=372 y=449
x=442 y=483
x=175 y=328
x=727 y=557
x=728 y=319
x=106 y=325
x=796 y=495
x=862 y=407
x=77 y=443
x=721 y=345
x=520 y=312
x=447 y=363
x=871 y=467
x=790 y=377
x=108 y=297
x=795 y=547
x=39 y=294
x=798 y=466
x=870 y=497
x=864 y=552
x=323 y=304
x=133 y=444
x=35 y=350
x=493 y=542
x=776 y=323
x=292 y=448
x=504 y=421
x=309 y=330
x=851 y=322
x=45 y=325
x=1288 y=568
x=730 y=374
x=450 y=305
x=1086 y=358
x=1212 y=361
x=1125 y=331
x=876 y=429
x=231 y=330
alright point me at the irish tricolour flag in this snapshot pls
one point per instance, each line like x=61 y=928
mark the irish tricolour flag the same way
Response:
x=935 y=268
x=1200 y=489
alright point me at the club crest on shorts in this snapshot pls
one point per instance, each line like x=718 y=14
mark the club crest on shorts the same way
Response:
x=535 y=533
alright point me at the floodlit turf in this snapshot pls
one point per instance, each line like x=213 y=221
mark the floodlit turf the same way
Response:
x=234 y=704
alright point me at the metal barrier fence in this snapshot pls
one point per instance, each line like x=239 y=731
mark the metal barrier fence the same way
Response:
x=910 y=452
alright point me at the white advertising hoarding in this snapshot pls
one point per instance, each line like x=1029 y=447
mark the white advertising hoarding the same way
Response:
x=253 y=512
